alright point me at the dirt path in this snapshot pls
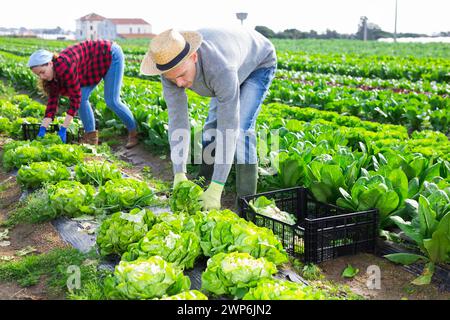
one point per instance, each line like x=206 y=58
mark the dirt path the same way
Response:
x=36 y=239
x=12 y=291
x=160 y=164
x=141 y=156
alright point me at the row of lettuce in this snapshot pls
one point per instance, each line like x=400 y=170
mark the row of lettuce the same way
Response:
x=397 y=85
x=369 y=49
x=415 y=110
x=425 y=106
x=380 y=64
x=384 y=67
x=310 y=46
x=385 y=59
x=155 y=249
x=148 y=106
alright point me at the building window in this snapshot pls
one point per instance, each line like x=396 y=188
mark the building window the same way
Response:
x=131 y=30
x=92 y=28
x=139 y=30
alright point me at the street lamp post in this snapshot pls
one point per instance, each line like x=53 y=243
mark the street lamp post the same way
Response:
x=364 y=26
x=395 y=25
x=242 y=16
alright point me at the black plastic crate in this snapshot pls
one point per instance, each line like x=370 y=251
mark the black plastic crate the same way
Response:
x=322 y=232
x=31 y=130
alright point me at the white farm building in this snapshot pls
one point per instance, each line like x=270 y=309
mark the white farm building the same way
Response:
x=94 y=26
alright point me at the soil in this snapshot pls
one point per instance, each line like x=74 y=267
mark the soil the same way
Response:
x=10 y=191
x=394 y=282
x=42 y=237
x=141 y=155
x=12 y=291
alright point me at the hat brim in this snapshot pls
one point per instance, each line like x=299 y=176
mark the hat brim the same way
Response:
x=148 y=66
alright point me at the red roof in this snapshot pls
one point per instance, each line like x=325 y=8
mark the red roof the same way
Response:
x=137 y=35
x=128 y=21
x=92 y=17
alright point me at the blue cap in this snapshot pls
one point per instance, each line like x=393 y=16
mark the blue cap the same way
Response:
x=39 y=58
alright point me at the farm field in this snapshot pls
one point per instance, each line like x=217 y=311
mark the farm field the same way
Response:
x=361 y=125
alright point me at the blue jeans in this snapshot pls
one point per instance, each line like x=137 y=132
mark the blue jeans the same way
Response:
x=113 y=83
x=252 y=94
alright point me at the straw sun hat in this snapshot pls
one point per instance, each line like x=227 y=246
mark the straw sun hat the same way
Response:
x=168 y=50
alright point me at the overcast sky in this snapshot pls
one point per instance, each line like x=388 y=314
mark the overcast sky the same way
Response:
x=417 y=16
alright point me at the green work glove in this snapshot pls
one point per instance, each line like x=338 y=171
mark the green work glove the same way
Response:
x=210 y=199
x=180 y=176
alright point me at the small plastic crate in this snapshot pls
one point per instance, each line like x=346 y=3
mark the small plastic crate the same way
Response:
x=322 y=232
x=30 y=131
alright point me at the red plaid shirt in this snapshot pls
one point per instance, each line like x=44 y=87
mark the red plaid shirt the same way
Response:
x=80 y=65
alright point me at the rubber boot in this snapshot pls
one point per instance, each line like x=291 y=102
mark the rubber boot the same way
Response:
x=246 y=181
x=133 y=139
x=90 y=138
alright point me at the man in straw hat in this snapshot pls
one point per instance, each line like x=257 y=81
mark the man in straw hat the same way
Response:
x=233 y=67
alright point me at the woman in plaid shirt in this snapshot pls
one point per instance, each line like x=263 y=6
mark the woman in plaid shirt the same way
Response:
x=75 y=72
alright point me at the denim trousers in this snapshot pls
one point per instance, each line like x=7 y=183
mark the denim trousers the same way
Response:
x=252 y=94
x=112 y=86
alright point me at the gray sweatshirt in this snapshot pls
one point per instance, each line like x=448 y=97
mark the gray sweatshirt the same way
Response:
x=226 y=58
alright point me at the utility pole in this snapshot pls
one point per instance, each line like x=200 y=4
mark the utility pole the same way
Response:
x=395 y=25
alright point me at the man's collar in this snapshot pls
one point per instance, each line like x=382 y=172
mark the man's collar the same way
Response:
x=198 y=68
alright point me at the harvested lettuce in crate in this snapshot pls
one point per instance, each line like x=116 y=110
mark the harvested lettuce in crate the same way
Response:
x=268 y=208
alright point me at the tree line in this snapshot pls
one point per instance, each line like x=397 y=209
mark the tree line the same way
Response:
x=374 y=32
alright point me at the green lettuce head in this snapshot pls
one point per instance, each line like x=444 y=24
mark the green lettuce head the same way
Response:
x=97 y=172
x=275 y=289
x=178 y=247
x=37 y=173
x=224 y=231
x=71 y=198
x=187 y=295
x=124 y=193
x=67 y=154
x=120 y=230
x=185 y=198
x=146 y=279
x=235 y=273
x=20 y=155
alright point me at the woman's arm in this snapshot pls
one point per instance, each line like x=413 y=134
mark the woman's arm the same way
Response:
x=67 y=121
x=46 y=122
